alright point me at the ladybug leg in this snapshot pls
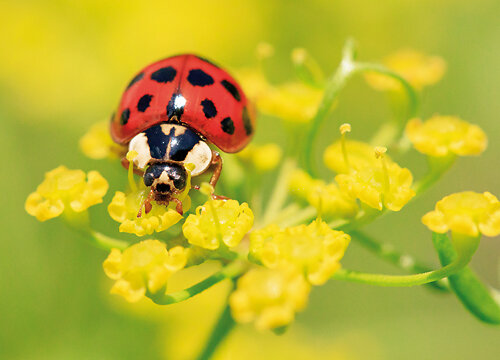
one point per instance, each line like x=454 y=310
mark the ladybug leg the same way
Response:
x=178 y=207
x=147 y=204
x=217 y=161
x=126 y=164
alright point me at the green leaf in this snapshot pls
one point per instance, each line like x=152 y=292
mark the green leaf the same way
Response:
x=473 y=294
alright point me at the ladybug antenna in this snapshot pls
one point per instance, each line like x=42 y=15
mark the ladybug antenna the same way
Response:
x=146 y=204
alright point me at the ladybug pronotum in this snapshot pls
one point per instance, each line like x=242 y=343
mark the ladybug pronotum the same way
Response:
x=169 y=114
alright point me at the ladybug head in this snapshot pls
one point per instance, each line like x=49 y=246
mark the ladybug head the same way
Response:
x=165 y=178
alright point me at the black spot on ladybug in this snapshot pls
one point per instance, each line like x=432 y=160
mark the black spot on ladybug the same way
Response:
x=209 y=108
x=247 y=123
x=175 y=106
x=124 y=117
x=227 y=126
x=164 y=75
x=198 y=77
x=231 y=89
x=135 y=79
x=143 y=103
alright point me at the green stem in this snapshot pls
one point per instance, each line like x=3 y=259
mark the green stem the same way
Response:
x=333 y=86
x=221 y=330
x=437 y=167
x=401 y=280
x=387 y=252
x=231 y=271
x=107 y=243
x=279 y=192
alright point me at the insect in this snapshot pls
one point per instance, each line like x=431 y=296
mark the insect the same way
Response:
x=169 y=114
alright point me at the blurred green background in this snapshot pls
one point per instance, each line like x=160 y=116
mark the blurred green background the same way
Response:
x=63 y=65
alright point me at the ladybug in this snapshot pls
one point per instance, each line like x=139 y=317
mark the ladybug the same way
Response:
x=169 y=114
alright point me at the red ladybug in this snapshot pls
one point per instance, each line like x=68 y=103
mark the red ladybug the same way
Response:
x=170 y=112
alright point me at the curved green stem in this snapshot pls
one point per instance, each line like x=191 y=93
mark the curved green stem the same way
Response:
x=231 y=271
x=222 y=328
x=387 y=252
x=107 y=243
x=437 y=167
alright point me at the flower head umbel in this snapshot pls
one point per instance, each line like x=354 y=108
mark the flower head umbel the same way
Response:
x=66 y=190
x=383 y=185
x=418 y=69
x=97 y=142
x=145 y=266
x=218 y=222
x=445 y=135
x=359 y=155
x=468 y=213
x=270 y=298
x=326 y=198
x=314 y=249
x=125 y=207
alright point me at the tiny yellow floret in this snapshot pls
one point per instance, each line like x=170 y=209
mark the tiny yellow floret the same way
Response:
x=468 y=213
x=360 y=155
x=445 y=135
x=269 y=298
x=97 y=142
x=379 y=186
x=315 y=249
x=218 y=222
x=66 y=190
x=380 y=151
x=345 y=128
x=145 y=266
x=131 y=155
x=418 y=69
x=326 y=198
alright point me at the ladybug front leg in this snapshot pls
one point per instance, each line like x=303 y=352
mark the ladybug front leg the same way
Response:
x=217 y=162
x=126 y=164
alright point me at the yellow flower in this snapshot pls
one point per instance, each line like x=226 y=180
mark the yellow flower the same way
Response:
x=64 y=189
x=145 y=266
x=444 y=135
x=292 y=101
x=314 y=249
x=263 y=157
x=418 y=69
x=218 y=222
x=97 y=143
x=125 y=207
x=387 y=186
x=270 y=298
x=467 y=213
x=326 y=198
x=359 y=154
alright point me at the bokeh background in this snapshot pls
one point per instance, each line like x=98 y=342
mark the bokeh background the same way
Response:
x=63 y=65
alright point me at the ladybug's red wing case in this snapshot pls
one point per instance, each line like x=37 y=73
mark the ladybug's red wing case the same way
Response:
x=216 y=106
x=189 y=90
x=144 y=101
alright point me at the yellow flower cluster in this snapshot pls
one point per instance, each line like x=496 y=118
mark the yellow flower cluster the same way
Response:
x=314 y=249
x=359 y=154
x=445 y=135
x=468 y=213
x=218 y=222
x=418 y=69
x=326 y=198
x=386 y=185
x=66 y=190
x=145 y=266
x=263 y=157
x=125 y=207
x=295 y=102
x=97 y=143
x=270 y=298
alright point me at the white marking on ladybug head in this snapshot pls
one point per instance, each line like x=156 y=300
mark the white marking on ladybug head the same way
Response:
x=139 y=143
x=200 y=156
x=179 y=101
